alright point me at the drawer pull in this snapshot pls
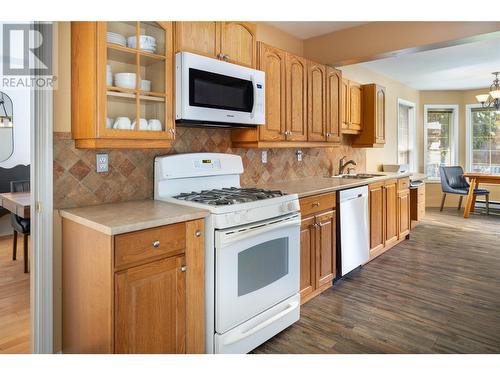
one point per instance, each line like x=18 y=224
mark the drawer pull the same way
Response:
x=156 y=244
x=197 y=233
x=183 y=268
x=315 y=204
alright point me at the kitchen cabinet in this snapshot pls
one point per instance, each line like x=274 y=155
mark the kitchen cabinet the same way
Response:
x=417 y=204
x=317 y=102
x=145 y=289
x=389 y=206
x=303 y=103
x=97 y=101
x=373 y=133
x=317 y=245
x=351 y=107
x=231 y=41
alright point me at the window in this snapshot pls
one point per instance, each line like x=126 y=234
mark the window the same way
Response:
x=483 y=139
x=440 y=138
x=406 y=133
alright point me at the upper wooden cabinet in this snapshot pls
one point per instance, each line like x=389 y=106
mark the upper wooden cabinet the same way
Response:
x=373 y=134
x=317 y=102
x=231 y=41
x=108 y=113
x=333 y=105
x=296 y=98
x=352 y=102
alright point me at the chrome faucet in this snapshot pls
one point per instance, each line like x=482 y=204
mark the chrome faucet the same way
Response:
x=342 y=165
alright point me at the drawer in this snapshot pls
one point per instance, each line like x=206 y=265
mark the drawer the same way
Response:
x=317 y=203
x=403 y=183
x=138 y=247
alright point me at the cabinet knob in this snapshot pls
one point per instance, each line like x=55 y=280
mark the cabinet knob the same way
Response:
x=183 y=268
x=315 y=204
x=197 y=233
x=156 y=244
x=328 y=135
x=226 y=57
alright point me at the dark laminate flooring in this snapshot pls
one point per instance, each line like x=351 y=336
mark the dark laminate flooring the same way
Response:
x=438 y=292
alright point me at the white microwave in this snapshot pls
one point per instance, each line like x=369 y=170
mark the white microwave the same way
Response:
x=214 y=92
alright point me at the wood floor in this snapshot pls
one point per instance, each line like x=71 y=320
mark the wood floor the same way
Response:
x=14 y=300
x=439 y=292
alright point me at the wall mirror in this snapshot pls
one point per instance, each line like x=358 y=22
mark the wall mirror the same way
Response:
x=6 y=127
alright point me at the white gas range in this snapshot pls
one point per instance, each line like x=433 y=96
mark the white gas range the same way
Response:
x=252 y=248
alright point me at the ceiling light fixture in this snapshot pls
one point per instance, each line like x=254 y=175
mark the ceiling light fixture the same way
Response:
x=491 y=100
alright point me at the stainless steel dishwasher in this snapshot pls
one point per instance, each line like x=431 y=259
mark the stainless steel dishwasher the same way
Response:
x=354 y=229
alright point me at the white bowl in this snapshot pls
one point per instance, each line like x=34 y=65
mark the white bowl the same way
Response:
x=122 y=123
x=155 y=125
x=147 y=43
x=143 y=124
x=145 y=85
x=125 y=80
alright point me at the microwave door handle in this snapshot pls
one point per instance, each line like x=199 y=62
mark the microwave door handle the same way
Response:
x=254 y=88
x=226 y=240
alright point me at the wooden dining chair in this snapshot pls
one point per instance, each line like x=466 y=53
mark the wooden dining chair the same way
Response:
x=454 y=182
x=19 y=224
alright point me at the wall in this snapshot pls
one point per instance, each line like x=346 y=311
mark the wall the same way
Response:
x=462 y=98
x=277 y=38
x=375 y=157
x=376 y=39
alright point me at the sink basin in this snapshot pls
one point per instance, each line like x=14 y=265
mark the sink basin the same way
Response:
x=358 y=176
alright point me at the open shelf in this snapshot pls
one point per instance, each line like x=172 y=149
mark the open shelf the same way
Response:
x=131 y=94
x=150 y=58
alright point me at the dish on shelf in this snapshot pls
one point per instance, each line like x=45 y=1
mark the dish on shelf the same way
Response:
x=143 y=124
x=116 y=38
x=145 y=85
x=122 y=123
x=146 y=43
x=109 y=123
x=155 y=125
x=109 y=75
x=125 y=80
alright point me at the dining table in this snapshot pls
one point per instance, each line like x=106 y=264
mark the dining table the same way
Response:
x=17 y=203
x=474 y=180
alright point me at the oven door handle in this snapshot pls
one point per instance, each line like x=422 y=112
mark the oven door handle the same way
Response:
x=238 y=337
x=226 y=239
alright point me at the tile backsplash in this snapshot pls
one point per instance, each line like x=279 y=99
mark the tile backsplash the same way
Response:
x=130 y=175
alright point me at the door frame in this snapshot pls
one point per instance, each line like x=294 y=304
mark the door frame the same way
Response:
x=41 y=246
x=412 y=119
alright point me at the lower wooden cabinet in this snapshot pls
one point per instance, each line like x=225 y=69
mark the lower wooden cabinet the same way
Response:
x=149 y=301
x=389 y=205
x=417 y=204
x=317 y=245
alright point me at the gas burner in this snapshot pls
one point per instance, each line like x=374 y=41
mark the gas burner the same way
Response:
x=227 y=196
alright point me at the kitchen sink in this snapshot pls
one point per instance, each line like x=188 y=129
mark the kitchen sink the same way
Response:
x=358 y=176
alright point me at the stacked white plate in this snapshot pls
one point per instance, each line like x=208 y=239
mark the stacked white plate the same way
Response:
x=147 y=43
x=125 y=80
x=116 y=38
x=109 y=75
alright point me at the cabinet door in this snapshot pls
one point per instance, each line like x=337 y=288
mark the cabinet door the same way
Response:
x=403 y=213
x=296 y=98
x=355 y=106
x=239 y=43
x=377 y=215
x=380 y=115
x=325 y=248
x=202 y=38
x=391 y=211
x=272 y=62
x=333 y=104
x=316 y=102
x=150 y=308
x=307 y=257
x=345 y=104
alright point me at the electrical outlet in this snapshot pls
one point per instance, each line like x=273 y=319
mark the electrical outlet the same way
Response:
x=102 y=163
x=299 y=154
x=264 y=157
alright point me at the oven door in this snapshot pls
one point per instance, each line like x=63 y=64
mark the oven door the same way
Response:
x=256 y=268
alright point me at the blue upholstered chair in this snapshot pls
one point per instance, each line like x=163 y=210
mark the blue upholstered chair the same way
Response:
x=454 y=182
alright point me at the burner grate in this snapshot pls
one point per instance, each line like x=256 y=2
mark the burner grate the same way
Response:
x=227 y=196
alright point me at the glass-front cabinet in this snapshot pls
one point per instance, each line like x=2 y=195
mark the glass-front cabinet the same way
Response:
x=122 y=91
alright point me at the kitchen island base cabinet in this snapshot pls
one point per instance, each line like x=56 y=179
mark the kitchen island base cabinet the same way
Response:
x=389 y=205
x=150 y=301
x=317 y=245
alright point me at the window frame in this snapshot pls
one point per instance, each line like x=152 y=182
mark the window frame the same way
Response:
x=454 y=137
x=412 y=141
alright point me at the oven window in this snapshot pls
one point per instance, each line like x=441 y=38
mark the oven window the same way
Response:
x=261 y=265
x=211 y=90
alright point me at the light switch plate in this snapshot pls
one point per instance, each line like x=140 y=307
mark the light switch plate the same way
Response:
x=264 y=157
x=102 y=163
x=299 y=154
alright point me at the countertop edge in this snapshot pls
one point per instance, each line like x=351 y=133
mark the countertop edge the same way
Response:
x=133 y=227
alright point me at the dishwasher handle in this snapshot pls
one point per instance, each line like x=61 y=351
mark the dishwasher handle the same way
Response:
x=360 y=195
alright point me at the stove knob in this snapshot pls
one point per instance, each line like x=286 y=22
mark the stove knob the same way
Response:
x=291 y=206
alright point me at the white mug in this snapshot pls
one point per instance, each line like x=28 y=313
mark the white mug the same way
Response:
x=155 y=125
x=122 y=123
x=143 y=124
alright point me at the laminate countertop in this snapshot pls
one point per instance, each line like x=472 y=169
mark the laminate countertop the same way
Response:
x=117 y=218
x=308 y=186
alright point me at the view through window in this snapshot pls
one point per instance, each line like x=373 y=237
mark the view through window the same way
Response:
x=405 y=147
x=440 y=142
x=485 y=139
